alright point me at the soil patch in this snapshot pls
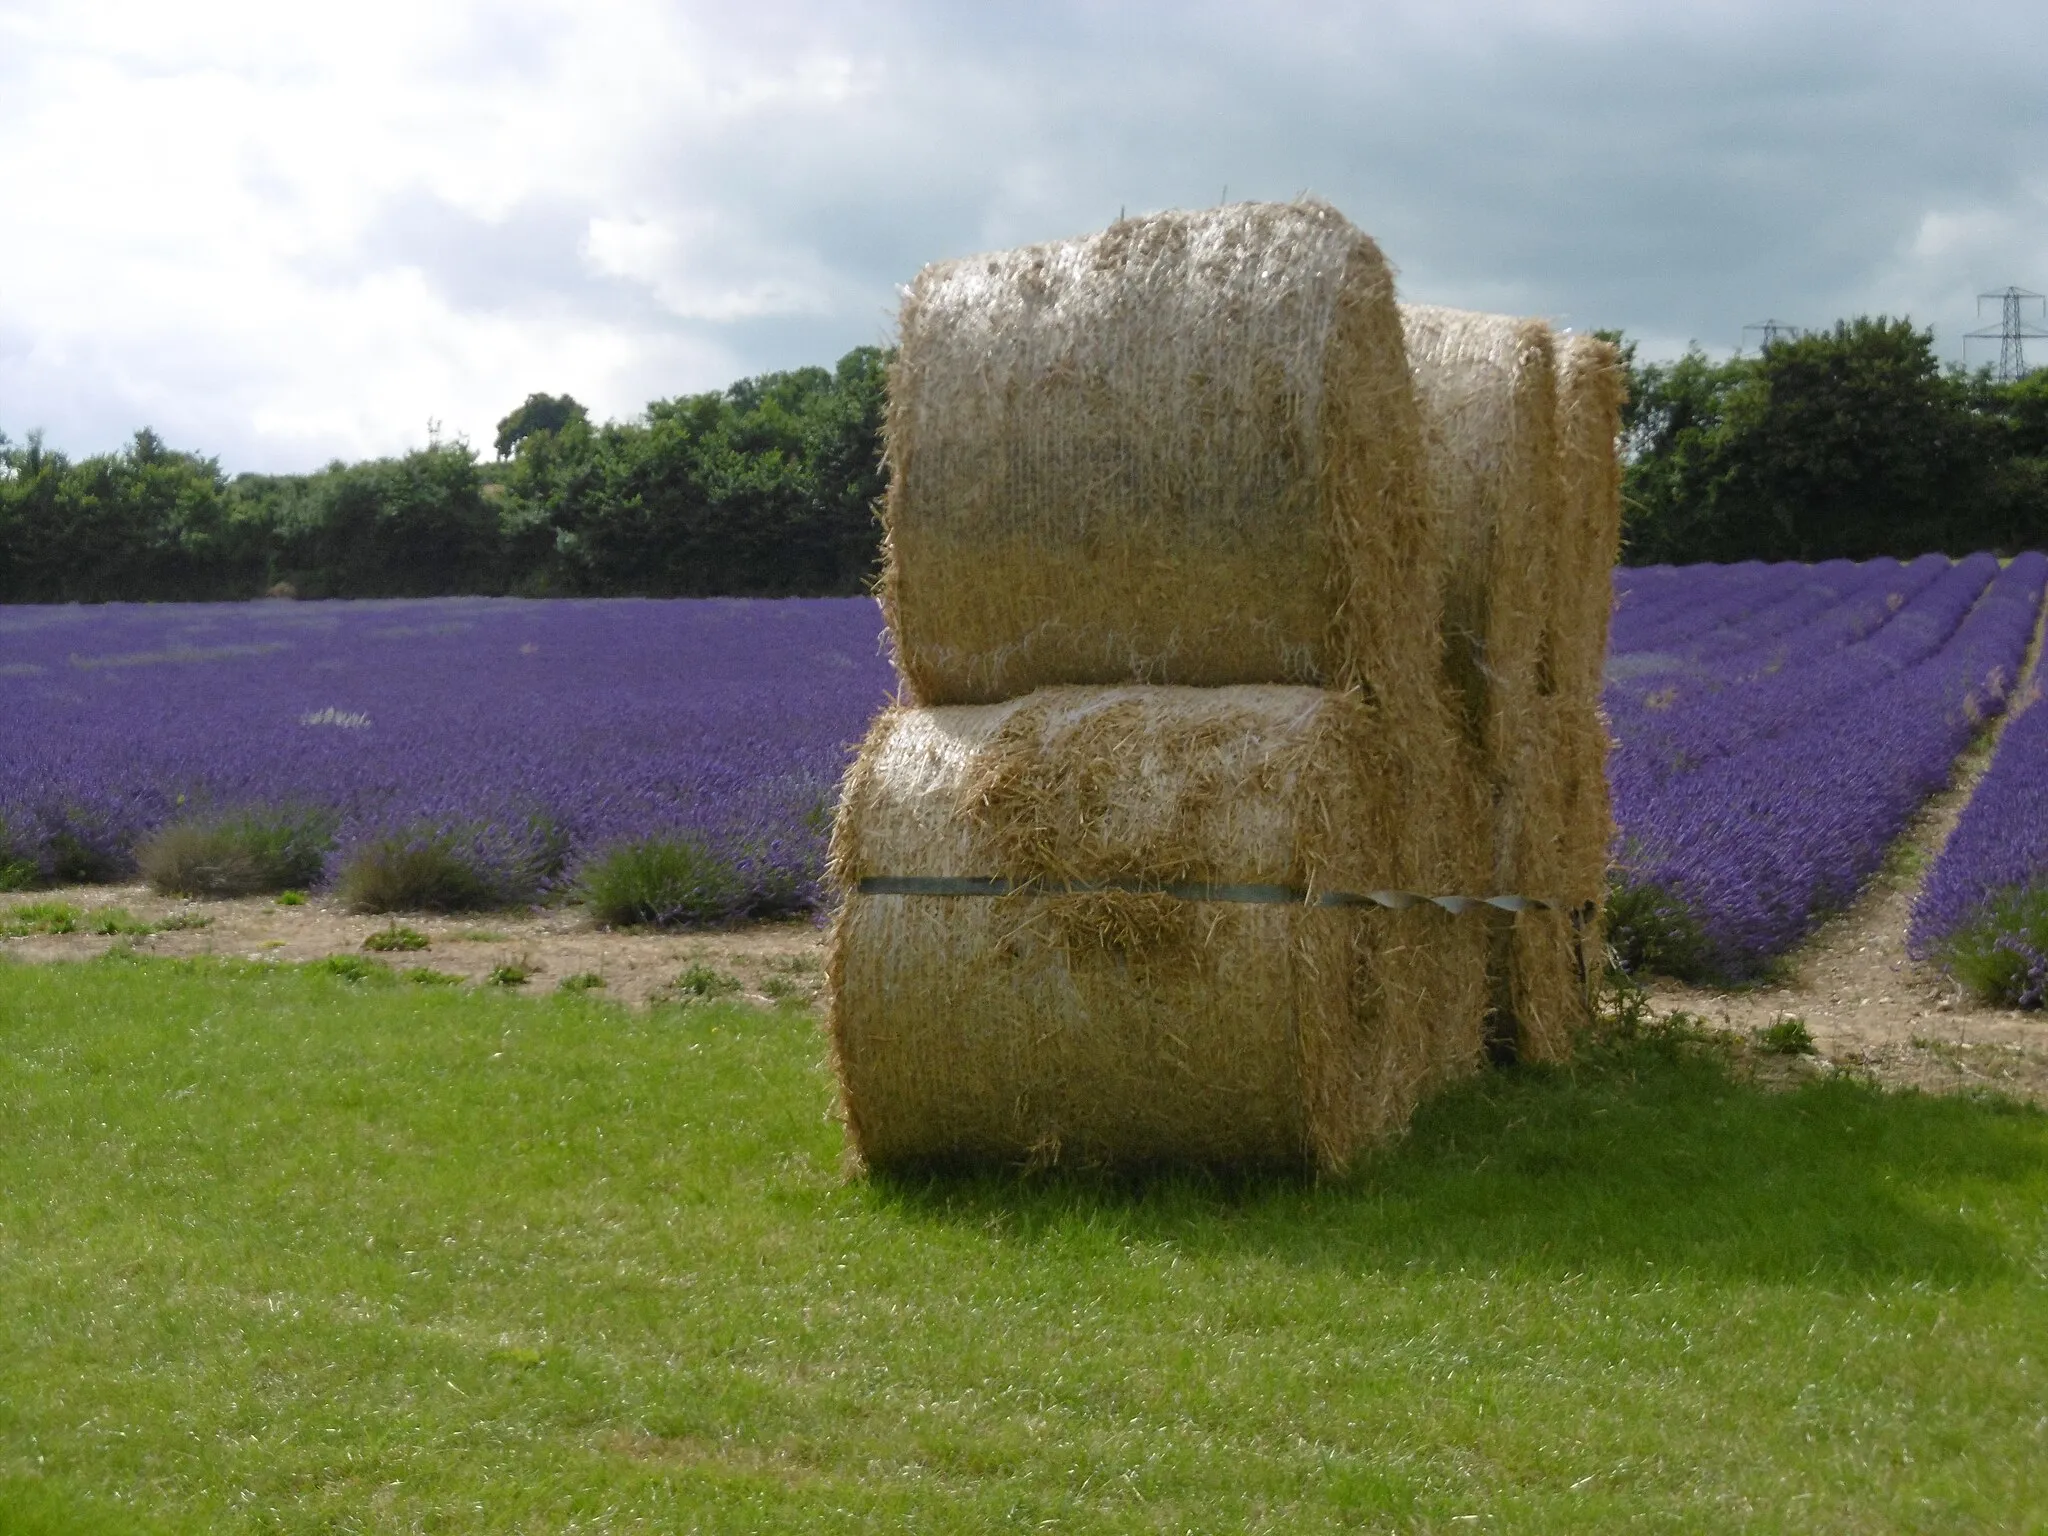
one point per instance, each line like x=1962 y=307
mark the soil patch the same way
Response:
x=769 y=962
x=1870 y=1007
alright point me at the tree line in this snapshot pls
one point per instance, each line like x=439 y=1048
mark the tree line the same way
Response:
x=1852 y=441
x=766 y=488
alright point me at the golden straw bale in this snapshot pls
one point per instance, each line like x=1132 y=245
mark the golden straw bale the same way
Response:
x=1592 y=387
x=1183 y=450
x=1487 y=386
x=1547 y=994
x=1129 y=1026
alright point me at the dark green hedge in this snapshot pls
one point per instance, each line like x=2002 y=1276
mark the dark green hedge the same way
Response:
x=765 y=488
x=1848 y=442
x=1853 y=441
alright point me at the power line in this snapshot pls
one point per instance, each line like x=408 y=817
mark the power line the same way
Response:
x=2012 y=331
x=1773 y=331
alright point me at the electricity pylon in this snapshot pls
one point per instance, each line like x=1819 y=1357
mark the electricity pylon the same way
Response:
x=2012 y=331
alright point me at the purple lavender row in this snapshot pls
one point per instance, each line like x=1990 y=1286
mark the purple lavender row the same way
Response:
x=1693 y=599
x=2000 y=843
x=528 y=730
x=1723 y=627
x=1761 y=844
x=1832 y=607
x=1829 y=606
x=1663 y=605
x=1695 y=714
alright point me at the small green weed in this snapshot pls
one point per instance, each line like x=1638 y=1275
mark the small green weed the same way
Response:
x=1786 y=1035
x=291 y=898
x=414 y=874
x=784 y=988
x=1651 y=931
x=46 y=917
x=240 y=854
x=427 y=976
x=2002 y=956
x=93 y=859
x=396 y=937
x=582 y=981
x=516 y=973
x=351 y=968
x=120 y=921
x=1624 y=1017
x=701 y=983
x=663 y=883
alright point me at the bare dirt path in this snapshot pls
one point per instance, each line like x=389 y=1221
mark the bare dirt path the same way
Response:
x=1870 y=1007
x=770 y=962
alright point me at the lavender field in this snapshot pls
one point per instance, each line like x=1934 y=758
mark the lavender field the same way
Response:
x=537 y=733
x=1993 y=875
x=1775 y=727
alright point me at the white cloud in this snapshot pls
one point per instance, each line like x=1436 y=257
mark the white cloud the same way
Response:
x=700 y=268
x=283 y=233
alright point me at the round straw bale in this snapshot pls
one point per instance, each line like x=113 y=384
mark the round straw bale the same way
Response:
x=1592 y=387
x=1183 y=450
x=1129 y=1025
x=1487 y=386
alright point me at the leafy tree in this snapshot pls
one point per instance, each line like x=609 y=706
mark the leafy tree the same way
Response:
x=414 y=526
x=143 y=524
x=765 y=488
x=1848 y=442
x=540 y=413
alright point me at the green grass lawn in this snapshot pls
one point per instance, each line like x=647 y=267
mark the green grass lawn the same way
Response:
x=281 y=1251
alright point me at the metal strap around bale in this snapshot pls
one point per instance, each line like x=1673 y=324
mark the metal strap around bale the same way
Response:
x=1257 y=895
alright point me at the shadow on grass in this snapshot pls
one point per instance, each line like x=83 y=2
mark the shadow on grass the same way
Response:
x=1642 y=1156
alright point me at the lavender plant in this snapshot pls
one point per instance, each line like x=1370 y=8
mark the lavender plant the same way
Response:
x=237 y=854
x=1983 y=909
x=665 y=882
x=1828 y=752
x=521 y=738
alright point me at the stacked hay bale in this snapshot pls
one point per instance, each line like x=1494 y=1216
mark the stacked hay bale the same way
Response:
x=1164 y=580
x=1519 y=429
x=1592 y=387
x=1487 y=388
x=1094 y=1011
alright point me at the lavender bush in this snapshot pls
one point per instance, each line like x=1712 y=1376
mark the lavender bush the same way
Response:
x=531 y=736
x=1763 y=788
x=1984 y=905
x=1776 y=725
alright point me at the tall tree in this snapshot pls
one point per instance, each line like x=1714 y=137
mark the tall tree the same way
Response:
x=540 y=413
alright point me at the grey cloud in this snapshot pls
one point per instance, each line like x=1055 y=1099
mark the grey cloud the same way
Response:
x=1678 y=180
x=529 y=259
x=1674 y=171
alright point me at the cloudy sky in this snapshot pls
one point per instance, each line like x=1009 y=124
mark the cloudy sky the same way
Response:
x=285 y=233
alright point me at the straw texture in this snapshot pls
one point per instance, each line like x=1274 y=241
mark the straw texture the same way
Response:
x=1128 y=1027
x=1592 y=387
x=1183 y=450
x=1488 y=392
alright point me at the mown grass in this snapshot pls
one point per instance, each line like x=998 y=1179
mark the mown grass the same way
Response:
x=279 y=1251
